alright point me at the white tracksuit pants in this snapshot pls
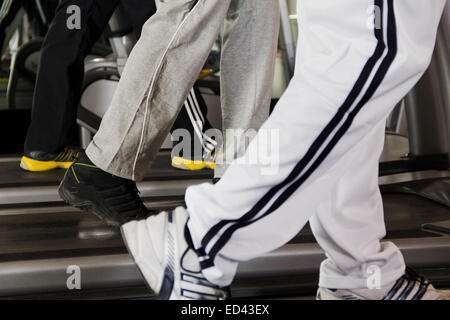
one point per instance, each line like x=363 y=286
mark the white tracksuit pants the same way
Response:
x=330 y=124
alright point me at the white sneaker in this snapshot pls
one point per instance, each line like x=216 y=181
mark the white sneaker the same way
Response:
x=162 y=249
x=410 y=286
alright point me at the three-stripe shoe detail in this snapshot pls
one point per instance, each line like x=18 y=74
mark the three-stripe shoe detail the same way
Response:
x=408 y=284
x=186 y=271
x=193 y=288
x=38 y=161
x=162 y=248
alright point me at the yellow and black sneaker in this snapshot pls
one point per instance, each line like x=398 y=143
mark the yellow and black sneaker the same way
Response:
x=187 y=164
x=113 y=199
x=4 y=75
x=38 y=161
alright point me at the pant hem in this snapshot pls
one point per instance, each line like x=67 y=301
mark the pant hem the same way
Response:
x=95 y=155
x=348 y=282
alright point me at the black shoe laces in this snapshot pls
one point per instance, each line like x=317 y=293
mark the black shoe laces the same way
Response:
x=138 y=209
x=409 y=281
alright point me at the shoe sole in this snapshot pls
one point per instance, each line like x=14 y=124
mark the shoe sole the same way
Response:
x=32 y=165
x=85 y=205
x=190 y=165
x=125 y=242
x=158 y=295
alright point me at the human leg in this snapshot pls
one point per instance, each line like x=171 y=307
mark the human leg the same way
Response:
x=250 y=41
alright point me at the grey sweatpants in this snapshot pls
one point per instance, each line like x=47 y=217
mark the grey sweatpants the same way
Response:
x=164 y=65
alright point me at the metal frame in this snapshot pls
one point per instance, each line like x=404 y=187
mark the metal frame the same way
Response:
x=287 y=38
x=442 y=56
x=44 y=194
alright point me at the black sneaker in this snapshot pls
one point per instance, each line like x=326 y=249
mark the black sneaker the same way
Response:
x=39 y=161
x=113 y=199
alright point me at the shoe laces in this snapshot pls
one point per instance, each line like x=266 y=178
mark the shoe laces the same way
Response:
x=124 y=199
x=200 y=288
x=408 y=282
x=134 y=192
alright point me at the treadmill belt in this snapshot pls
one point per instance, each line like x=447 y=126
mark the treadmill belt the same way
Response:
x=37 y=244
x=409 y=212
x=404 y=215
x=11 y=175
x=56 y=235
x=434 y=189
x=442 y=226
x=76 y=233
x=48 y=232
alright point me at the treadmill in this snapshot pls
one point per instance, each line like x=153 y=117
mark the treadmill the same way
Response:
x=39 y=233
x=41 y=237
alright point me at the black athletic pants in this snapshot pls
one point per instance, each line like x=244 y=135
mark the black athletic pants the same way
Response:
x=60 y=76
x=61 y=70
